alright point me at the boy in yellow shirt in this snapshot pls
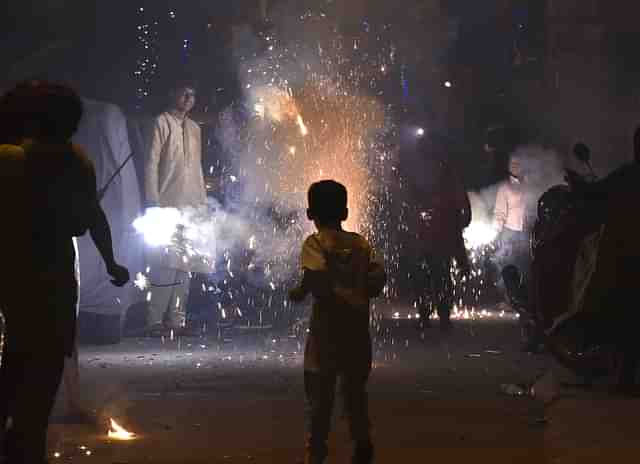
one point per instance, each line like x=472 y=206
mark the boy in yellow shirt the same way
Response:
x=340 y=272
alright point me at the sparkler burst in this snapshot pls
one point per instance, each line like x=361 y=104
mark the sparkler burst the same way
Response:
x=479 y=234
x=316 y=113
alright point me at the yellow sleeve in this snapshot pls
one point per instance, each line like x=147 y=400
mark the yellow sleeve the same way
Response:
x=312 y=257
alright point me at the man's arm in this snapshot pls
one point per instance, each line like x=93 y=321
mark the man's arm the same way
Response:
x=101 y=235
x=151 y=180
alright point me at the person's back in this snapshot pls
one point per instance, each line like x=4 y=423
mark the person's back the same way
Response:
x=14 y=203
x=340 y=272
x=48 y=191
x=339 y=327
x=63 y=194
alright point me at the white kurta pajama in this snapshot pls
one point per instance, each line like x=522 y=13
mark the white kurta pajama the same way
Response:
x=173 y=178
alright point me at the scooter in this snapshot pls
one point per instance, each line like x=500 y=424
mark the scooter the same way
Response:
x=580 y=331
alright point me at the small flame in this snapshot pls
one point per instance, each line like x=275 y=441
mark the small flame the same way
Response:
x=117 y=432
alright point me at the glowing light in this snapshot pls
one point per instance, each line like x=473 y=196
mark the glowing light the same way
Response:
x=419 y=132
x=141 y=281
x=117 y=432
x=448 y=84
x=479 y=234
x=158 y=225
x=303 y=128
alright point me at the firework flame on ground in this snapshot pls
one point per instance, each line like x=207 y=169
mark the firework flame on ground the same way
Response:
x=117 y=432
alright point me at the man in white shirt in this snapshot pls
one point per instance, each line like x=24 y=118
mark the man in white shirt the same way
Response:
x=173 y=178
x=510 y=216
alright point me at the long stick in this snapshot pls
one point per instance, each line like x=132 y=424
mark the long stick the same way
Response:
x=103 y=190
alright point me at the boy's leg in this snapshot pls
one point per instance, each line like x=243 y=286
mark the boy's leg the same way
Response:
x=357 y=408
x=320 y=394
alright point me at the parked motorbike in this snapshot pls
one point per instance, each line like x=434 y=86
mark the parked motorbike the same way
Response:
x=572 y=299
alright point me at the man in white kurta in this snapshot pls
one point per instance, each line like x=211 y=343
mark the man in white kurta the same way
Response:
x=511 y=217
x=173 y=178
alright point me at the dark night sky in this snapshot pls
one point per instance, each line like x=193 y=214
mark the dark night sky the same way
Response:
x=97 y=40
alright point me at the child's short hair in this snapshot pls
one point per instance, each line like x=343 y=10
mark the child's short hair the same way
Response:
x=327 y=201
x=42 y=108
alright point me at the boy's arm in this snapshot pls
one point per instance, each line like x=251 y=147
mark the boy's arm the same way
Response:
x=99 y=228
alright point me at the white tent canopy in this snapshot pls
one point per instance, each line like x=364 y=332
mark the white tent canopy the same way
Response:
x=103 y=135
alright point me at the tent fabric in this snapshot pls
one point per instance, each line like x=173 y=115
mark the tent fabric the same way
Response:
x=103 y=135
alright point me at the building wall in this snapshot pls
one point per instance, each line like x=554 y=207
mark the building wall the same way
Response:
x=584 y=94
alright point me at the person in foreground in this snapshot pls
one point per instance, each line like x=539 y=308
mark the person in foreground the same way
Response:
x=48 y=188
x=340 y=271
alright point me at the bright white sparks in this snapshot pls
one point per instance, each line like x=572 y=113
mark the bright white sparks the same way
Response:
x=141 y=281
x=158 y=225
x=479 y=234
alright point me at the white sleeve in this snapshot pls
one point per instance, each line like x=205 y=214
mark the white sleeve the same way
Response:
x=501 y=210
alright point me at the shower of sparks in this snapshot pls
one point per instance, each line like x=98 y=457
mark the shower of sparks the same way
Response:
x=319 y=110
x=317 y=113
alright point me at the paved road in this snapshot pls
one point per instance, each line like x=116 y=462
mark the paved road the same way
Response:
x=190 y=401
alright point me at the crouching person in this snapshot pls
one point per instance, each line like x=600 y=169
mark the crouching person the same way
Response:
x=340 y=272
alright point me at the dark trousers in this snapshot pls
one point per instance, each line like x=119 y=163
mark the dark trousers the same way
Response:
x=29 y=380
x=320 y=388
x=433 y=287
x=515 y=249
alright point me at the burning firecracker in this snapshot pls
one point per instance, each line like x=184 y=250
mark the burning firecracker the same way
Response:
x=117 y=432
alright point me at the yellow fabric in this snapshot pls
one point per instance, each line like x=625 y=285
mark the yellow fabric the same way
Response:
x=173 y=171
x=354 y=254
x=339 y=326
